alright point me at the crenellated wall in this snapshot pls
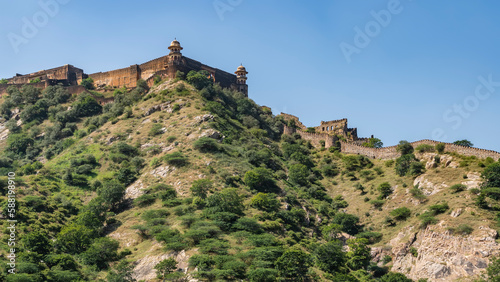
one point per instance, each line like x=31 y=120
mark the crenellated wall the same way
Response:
x=384 y=153
x=392 y=153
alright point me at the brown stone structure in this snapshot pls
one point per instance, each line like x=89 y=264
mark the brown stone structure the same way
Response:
x=163 y=67
x=339 y=128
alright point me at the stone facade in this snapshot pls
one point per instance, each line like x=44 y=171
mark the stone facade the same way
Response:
x=163 y=67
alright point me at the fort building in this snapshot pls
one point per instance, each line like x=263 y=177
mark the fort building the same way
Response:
x=162 y=67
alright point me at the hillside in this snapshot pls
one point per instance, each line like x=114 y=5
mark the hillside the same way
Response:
x=201 y=183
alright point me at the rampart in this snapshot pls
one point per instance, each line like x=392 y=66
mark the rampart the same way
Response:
x=392 y=153
x=385 y=153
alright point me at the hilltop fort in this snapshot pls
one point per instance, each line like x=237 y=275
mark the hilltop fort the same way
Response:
x=163 y=67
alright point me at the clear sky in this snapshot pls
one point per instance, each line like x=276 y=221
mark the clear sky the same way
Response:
x=400 y=70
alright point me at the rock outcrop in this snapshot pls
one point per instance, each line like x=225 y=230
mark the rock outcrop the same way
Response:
x=438 y=255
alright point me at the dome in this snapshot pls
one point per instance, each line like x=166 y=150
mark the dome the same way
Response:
x=175 y=44
x=241 y=68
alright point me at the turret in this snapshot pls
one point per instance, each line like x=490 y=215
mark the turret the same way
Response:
x=175 y=51
x=241 y=80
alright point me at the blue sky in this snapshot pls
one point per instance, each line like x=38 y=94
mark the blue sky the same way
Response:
x=421 y=74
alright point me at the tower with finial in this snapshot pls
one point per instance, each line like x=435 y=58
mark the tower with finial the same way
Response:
x=175 y=54
x=241 y=80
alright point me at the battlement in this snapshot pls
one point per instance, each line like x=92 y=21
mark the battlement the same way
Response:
x=351 y=146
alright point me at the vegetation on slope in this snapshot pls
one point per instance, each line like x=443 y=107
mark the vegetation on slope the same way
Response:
x=250 y=204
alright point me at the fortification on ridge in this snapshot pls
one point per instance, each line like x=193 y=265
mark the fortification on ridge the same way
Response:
x=336 y=133
x=163 y=67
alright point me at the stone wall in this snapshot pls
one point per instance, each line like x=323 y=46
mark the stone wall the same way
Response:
x=391 y=152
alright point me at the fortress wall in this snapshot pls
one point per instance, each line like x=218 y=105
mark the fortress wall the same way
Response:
x=290 y=117
x=391 y=152
x=149 y=69
x=117 y=78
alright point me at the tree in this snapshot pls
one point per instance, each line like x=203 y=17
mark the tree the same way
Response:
x=260 y=179
x=440 y=147
x=464 y=142
x=37 y=242
x=87 y=106
x=165 y=267
x=385 y=190
x=348 y=222
x=330 y=257
x=102 y=251
x=122 y=273
x=404 y=163
x=30 y=94
x=200 y=79
x=493 y=270
x=19 y=143
x=111 y=191
x=298 y=174
x=200 y=188
x=491 y=175
x=404 y=147
x=359 y=255
x=401 y=213
x=294 y=264
x=374 y=143
x=266 y=202
x=74 y=239
x=226 y=200
x=87 y=83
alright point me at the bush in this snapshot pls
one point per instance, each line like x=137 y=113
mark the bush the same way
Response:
x=401 y=213
x=348 y=222
x=206 y=144
x=298 y=174
x=377 y=203
x=260 y=179
x=176 y=159
x=156 y=129
x=427 y=219
x=87 y=83
x=372 y=237
x=144 y=200
x=199 y=79
x=404 y=147
x=491 y=175
x=458 y=188
x=440 y=147
x=265 y=202
x=462 y=229
x=385 y=190
x=200 y=188
x=439 y=208
x=417 y=194
x=424 y=148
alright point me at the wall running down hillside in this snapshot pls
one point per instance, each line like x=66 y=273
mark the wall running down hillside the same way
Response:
x=387 y=152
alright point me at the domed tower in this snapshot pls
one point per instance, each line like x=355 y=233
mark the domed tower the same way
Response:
x=241 y=80
x=175 y=54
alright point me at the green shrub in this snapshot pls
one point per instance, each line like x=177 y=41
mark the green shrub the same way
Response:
x=385 y=190
x=462 y=229
x=458 y=188
x=427 y=219
x=206 y=144
x=424 y=148
x=389 y=163
x=401 y=213
x=144 y=200
x=413 y=251
x=440 y=147
x=156 y=129
x=372 y=237
x=176 y=159
x=439 y=208
x=260 y=179
x=377 y=203
x=418 y=194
